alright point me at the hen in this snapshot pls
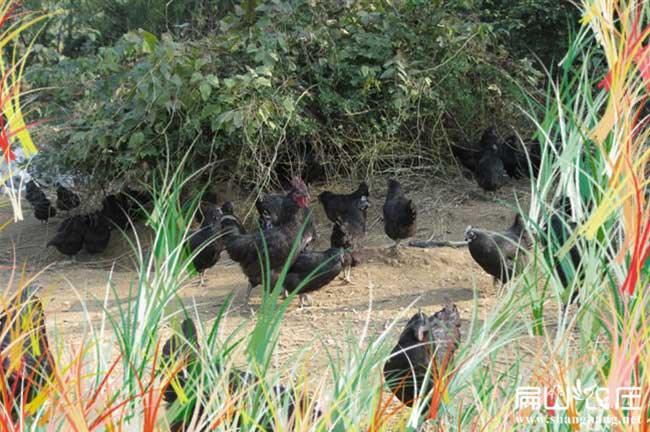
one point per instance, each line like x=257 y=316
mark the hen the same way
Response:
x=274 y=244
x=302 y=159
x=115 y=208
x=205 y=244
x=325 y=266
x=427 y=343
x=269 y=208
x=25 y=358
x=180 y=350
x=399 y=214
x=566 y=267
x=42 y=206
x=556 y=232
x=69 y=238
x=490 y=171
x=349 y=212
x=342 y=239
x=124 y=207
x=341 y=207
x=468 y=155
x=33 y=192
x=43 y=210
x=513 y=155
x=97 y=234
x=499 y=254
x=66 y=200
x=520 y=159
x=347 y=236
x=535 y=155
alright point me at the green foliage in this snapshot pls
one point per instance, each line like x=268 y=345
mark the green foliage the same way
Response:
x=532 y=27
x=364 y=87
x=87 y=25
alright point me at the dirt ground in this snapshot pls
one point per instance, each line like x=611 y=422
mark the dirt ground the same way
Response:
x=418 y=279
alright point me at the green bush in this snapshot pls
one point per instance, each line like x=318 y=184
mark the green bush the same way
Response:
x=532 y=27
x=361 y=87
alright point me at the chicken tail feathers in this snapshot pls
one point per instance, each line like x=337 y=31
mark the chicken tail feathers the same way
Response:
x=231 y=227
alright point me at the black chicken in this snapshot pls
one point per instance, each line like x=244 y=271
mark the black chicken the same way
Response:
x=302 y=159
x=66 y=200
x=180 y=357
x=340 y=207
x=207 y=241
x=275 y=244
x=325 y=266
x=97 y=234
x=349 y=214
x=499 y=254
x=467 y=155
x=490 y=171
x=269 y=208
x=535 y=155
x=208 y=200
x=115 y=209
x=69 y=237
x=399 y=214
x=566 y=267
x=427 y=343
x=43 y=209
x=123 y=208
x=520 y=159
x=33 y=192
x=23 y=336
x=553 y=237
x=230 y=222
x=347 y=236
x=341 y=239
x=179 y=353
x=514 y=157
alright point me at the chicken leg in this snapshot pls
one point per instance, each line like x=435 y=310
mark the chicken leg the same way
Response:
x=305 y=300
x=497 y=284
x=249 y=290
x=395 y=248
x=347 y=275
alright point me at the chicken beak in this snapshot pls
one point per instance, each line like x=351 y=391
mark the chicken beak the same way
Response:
x=422 y=333
x=468 y=233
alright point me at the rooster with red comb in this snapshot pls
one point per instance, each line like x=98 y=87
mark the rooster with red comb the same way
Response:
x=275 y=243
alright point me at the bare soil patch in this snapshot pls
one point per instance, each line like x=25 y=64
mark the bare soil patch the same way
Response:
x=417 y=279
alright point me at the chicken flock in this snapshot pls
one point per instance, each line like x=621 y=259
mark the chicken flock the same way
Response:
x=278 y=250
x=491 y=160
